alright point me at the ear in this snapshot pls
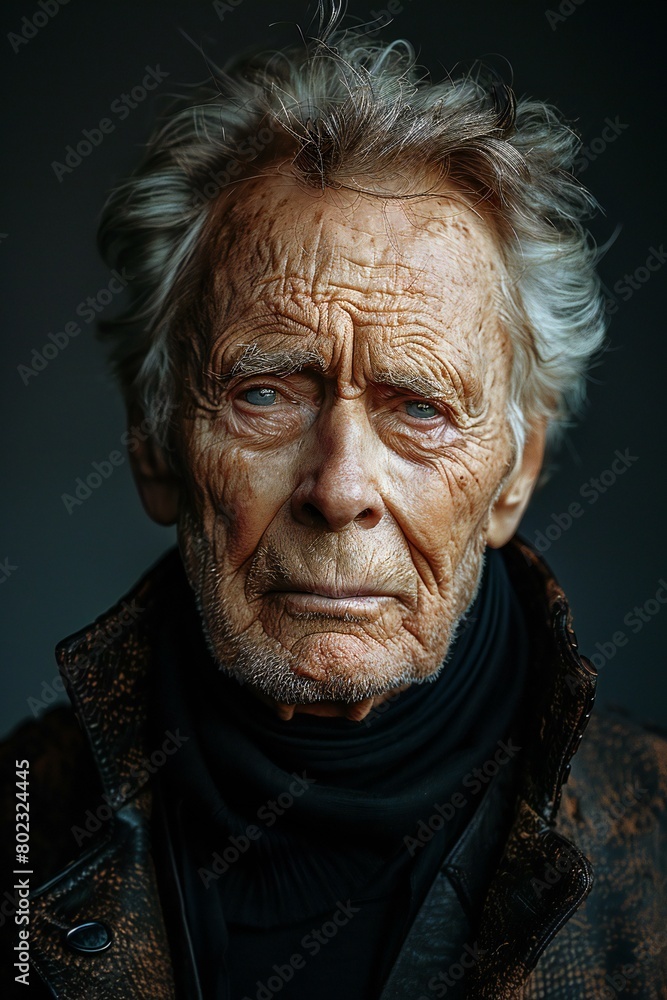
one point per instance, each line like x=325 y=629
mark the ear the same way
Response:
x=512 y=502
x=159 y=486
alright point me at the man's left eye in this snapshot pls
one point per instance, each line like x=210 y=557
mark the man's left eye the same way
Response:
x=420 y=409
x=261 y=397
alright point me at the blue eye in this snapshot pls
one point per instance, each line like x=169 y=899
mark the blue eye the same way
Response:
x=421 y=409
x=260 y=397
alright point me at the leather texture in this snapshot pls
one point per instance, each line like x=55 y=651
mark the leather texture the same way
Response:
x=538 y=929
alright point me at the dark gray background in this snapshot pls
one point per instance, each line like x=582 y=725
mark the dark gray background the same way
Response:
x=599 y=60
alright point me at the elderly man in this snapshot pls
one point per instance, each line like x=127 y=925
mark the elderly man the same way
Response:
x=326 y=753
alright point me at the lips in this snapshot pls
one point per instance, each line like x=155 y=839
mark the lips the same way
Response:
x=338 y=603
x=350 y=601
x=334 y=593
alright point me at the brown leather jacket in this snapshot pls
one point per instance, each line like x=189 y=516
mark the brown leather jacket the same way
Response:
x=575 y=908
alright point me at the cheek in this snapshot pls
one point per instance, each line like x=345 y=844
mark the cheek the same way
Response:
x=440 y=506
x=235 y=493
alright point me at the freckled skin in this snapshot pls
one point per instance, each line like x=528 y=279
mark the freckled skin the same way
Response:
x=343 y=482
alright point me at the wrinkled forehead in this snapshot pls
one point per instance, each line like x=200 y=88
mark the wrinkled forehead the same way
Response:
x=275 y=227
x=382 y=272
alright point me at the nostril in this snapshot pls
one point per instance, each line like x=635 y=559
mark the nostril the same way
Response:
x=335 y=516
x=312 y=511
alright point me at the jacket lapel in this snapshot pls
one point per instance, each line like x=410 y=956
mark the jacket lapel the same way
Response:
x=541 y=881
x=542 y=878
x=97 y=927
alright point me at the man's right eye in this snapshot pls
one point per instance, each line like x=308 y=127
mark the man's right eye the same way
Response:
x=263 y=396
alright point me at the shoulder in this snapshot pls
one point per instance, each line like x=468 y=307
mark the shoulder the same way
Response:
x=614 y=730
x=62 y=784
x=41 y=732
x=614 y=808
x=53 y=745
x=615 y=801
x=620 y=768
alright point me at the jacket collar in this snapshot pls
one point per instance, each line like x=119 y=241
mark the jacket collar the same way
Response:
x=542 y=877
x=107 y=669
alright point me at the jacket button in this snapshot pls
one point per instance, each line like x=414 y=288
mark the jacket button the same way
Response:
x=89 y=937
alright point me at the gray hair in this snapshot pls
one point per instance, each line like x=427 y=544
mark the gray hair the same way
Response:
x=345 y=104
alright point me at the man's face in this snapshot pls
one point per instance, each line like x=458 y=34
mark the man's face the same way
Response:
x=343 y=453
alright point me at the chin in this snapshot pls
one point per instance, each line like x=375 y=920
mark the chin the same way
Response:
x=329 y=666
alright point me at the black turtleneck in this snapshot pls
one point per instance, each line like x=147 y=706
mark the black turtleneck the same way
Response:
x=301 y=837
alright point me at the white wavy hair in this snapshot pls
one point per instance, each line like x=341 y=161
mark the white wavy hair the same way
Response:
x=344 y=104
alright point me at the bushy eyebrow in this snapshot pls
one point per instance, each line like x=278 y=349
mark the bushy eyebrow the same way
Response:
x=420 y=385
x=283 y=362
x=454 y=390
x=287 y=361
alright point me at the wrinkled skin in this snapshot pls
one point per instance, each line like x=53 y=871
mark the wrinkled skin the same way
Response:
x=334 y=503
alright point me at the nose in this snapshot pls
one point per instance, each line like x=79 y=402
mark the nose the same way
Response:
x=339 y=485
